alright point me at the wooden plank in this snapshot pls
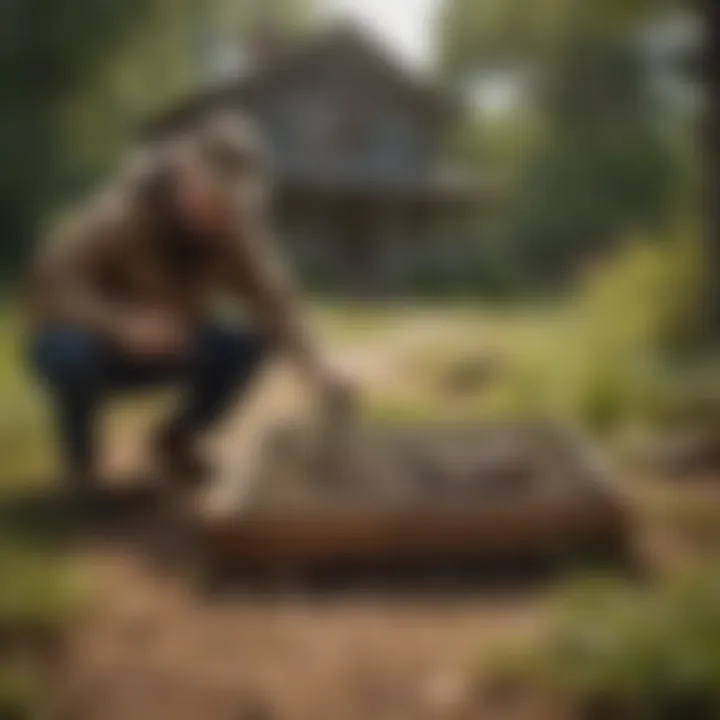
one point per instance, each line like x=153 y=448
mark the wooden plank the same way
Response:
x=355 y=534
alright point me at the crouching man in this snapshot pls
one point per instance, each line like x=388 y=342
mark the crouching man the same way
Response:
x=123 y=294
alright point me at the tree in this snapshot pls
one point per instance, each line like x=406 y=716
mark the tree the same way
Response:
x=711 y=138
x=48 y=48
x=602 y=163
x=476 y=34
x=79 y=76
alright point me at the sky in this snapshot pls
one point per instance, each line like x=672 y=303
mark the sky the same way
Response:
x=406 y=24
x=408 y=27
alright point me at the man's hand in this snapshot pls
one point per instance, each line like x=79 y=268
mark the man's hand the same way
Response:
x=338 y=393
x=152 y=335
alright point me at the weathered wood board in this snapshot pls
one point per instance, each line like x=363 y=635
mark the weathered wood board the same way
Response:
x=410 y=492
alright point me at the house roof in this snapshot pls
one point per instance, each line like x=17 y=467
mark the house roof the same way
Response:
x=296 y=59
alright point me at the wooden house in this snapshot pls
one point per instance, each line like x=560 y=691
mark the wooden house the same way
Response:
x=356 y=140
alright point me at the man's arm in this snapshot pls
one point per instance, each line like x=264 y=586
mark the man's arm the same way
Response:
x=231 y=210
x=228 y=204
x=258 y=274
x=61 y=286
x=66 y=285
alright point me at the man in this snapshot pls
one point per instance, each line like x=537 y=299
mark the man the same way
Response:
x=123 y=294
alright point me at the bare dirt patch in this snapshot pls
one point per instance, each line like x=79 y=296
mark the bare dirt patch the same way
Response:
x=154 y=650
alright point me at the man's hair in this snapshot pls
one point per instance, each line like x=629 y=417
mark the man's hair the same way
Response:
x=232 y=144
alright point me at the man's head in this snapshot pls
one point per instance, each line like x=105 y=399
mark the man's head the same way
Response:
x=233 y=146
x=226 y=171
x=212 y=177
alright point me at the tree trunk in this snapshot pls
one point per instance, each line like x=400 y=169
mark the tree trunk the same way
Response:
x=711 y=71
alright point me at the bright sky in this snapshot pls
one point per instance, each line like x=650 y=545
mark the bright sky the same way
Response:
x=408 y=27
x=406 y=24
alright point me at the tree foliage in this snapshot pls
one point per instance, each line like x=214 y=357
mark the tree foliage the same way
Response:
x=79 y=76
x=47 y=48
x=602 y=164
x=476 y=34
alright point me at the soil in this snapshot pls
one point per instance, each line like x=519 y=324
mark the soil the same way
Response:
x=417 y=467
x=155 y=650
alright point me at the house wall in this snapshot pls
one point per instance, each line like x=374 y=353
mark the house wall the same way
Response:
x=344 y=136
x=343 y=120
x=350 y=136
x=344 y=126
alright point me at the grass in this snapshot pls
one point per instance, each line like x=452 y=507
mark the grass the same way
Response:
x=37 y=590
x=20 y=696
x=344 y=323
x=606 y=359
x=617 y=650
x=527 y=364
x=24 y=431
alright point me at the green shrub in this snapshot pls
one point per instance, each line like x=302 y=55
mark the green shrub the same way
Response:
x=38 y=592
x=617 y=353
x=633 y=653
x=19 y=696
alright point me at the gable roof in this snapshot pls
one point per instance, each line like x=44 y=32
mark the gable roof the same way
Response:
x=299 y=59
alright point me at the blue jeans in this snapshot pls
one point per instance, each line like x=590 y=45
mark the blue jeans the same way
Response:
x=81 y=369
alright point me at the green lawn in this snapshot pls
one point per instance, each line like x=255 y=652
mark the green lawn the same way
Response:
x=37 y=588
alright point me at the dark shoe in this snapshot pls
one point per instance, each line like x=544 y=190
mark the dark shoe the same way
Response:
x=81 y=496
x=179 y=458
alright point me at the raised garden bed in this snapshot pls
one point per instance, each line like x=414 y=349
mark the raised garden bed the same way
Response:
x=402 y=493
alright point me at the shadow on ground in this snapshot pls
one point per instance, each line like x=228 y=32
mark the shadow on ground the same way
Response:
x=41 y=515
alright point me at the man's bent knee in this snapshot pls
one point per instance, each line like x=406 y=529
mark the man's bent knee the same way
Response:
x=232 y=350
